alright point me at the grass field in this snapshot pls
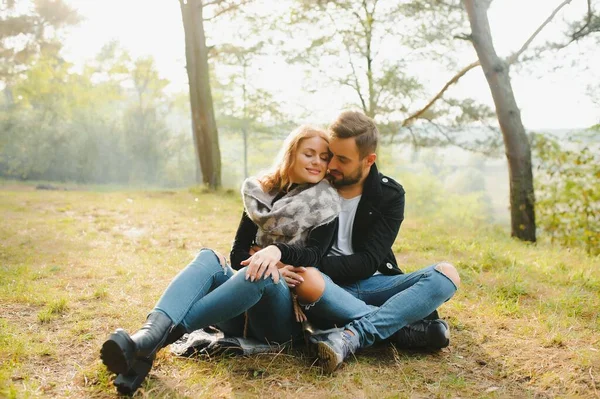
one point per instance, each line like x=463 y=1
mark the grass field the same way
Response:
x=75 y=265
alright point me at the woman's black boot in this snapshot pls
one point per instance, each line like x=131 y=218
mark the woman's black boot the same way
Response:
x=129 y=382
x=120 y=351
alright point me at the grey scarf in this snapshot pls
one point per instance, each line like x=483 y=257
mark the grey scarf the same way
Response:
x=289 y=219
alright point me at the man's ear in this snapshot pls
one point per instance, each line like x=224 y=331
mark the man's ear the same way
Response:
x=370 y=159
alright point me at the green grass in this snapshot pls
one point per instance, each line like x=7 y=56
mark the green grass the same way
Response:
x=75 y=265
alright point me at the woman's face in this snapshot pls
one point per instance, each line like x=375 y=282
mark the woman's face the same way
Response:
x=310 y=163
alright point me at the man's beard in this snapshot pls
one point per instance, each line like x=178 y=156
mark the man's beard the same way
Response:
x=347 y=180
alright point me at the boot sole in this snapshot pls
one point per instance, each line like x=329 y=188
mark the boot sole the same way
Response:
x=328 y=359
x=128 y=383
x=117 y=352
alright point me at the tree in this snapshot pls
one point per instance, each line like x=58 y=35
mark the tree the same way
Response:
x=28 y=32
x=361 y=46
x=568 y=189
x=588 y=25
x=345 y=41
x=204 y=126
x=516 y=143
x=145 y=129
x=244 y=107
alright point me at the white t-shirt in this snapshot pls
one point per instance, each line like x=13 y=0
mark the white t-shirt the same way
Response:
x=343 y=244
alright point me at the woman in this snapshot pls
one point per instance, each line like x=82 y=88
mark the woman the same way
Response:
x=289 y=213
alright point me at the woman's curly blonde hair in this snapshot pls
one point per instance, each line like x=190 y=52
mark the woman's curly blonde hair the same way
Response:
x=278 y=178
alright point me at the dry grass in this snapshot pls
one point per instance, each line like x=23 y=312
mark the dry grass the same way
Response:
x=76 y=264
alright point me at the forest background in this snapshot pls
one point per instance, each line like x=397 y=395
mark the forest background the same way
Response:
x=96 y=115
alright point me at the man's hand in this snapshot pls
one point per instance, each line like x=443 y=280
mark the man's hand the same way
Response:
x=263 y=263
x=291 y=276
x=254 y=249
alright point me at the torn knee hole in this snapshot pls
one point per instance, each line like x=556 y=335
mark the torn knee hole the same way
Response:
x=448 y=270
x=221 y=258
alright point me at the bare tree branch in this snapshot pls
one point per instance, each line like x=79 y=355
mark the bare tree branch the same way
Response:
x=486 y=150
x=463 y=36
x=452 y=81
x=515 y=56
x=510 y=60
x=356 y=82
x=356 y=85
x=590 y=14
x=225 y=10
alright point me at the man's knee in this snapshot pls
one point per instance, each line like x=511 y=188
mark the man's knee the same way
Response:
x=449 y=271
x=312 y=287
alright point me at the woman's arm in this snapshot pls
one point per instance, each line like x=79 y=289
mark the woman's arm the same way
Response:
x=244 y=238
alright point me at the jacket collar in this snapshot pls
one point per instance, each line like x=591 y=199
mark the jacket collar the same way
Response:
x=372 y=186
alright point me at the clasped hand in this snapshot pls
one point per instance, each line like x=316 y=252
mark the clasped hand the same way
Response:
x=263 y=263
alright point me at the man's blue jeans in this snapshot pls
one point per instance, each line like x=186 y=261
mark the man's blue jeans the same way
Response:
x=206 y=293
x=401 y=300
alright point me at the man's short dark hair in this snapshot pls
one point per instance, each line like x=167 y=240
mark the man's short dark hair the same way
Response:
x=360 y=127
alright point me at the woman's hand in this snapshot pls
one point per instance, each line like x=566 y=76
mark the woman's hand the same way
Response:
x=263 y=264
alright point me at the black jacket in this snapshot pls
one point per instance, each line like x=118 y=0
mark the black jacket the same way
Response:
x=378 y=218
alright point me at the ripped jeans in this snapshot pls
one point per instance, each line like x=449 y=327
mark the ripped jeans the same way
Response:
x=401 y=300
x=205 y=293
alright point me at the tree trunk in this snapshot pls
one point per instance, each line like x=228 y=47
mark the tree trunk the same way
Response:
x=516 y=143
x=204 y=127
x=245 y=136
x=245 y=121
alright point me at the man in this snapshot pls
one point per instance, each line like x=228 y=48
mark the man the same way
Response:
x=372 y=298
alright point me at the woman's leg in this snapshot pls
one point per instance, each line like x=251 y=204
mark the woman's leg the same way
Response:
x=269 y=306
x=202 y=275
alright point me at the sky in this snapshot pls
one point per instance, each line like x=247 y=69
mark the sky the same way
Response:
x=547 y=99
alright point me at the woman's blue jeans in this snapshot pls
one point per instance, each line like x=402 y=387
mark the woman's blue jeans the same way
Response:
x=400 y=300
x=206 y=293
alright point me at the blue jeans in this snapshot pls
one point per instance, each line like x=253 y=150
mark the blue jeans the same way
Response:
x=206 y=293
x=402 y=299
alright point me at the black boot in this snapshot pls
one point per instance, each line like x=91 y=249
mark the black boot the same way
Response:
x=129 y=382
x=423 y=334
x=120 y=351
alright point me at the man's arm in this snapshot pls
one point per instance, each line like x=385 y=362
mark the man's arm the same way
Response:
x=318 y=242
x=380 y=237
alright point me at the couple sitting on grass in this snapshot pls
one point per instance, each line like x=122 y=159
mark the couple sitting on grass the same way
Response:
x=325 y=243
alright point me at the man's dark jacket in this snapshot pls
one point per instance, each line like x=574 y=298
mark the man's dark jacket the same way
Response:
x=378 y=218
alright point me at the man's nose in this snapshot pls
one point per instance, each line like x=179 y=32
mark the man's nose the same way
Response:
x=332 y=164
